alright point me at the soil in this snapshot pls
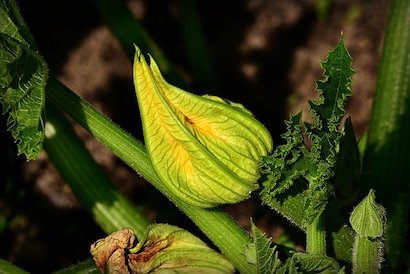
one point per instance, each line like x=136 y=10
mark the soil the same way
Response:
x=265 y=55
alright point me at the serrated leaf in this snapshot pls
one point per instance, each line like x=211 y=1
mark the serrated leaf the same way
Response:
x=288 y=268
x=367 y=218
x=306 y=263
x=333 y=90
x=302 y=263
x=293 y=162
x=23 y=76
x=205 y=148
x=289 y=161
x=12 y=23
x=7 y=26
x=261 y=253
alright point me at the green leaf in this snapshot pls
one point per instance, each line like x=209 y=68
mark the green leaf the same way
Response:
x=12 y=24
x=260 y=252
x=293 y=169
x=329 y=109
x=7 y=26
x=289 y=161
x=23 y=76
x=205 y=148
x=306 y=263
x=368 y=218
x=283 y=171
x=302 y=263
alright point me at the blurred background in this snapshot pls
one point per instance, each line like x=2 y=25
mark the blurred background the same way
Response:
x=263 y=54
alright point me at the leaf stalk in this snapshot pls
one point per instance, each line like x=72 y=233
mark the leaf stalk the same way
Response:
x=316 y=237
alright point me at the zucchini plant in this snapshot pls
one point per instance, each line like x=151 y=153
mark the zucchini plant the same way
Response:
x=204 y=151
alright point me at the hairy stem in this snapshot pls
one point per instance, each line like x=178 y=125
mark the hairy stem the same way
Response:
x=366 y=255
x=316 y=237
x=216 y=224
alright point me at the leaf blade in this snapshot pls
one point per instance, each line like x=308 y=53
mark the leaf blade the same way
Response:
x=23 y=76
x=260 y=253
x=294 y=162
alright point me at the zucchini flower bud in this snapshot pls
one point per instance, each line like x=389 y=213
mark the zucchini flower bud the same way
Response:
x=368 y=220
x=206 y=149
x=164 y=249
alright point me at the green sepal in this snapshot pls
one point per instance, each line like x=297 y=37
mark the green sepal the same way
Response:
x=368 y=218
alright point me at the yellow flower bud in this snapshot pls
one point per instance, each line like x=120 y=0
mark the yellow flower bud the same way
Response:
x=207 y=150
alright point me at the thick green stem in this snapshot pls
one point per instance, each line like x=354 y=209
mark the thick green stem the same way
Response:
x=88 y=181
x=388 y=148
x=366 y=255
x=316 y=237
x=216 y=224
x=8 y=268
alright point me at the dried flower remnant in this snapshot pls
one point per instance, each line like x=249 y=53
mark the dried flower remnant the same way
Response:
x=164 y=249
x=206 y=149
x=110 y=253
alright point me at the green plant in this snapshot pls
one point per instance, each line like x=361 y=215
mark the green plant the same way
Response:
x=301 y=179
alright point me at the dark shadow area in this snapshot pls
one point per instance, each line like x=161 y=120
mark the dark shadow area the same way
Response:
x=34 y=234
x=274 y=87
x=120 y=102
x=58 y=27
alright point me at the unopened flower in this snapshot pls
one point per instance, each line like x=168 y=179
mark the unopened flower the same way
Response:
x=207 y=150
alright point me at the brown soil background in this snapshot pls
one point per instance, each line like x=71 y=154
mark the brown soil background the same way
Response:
x=265 y=55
